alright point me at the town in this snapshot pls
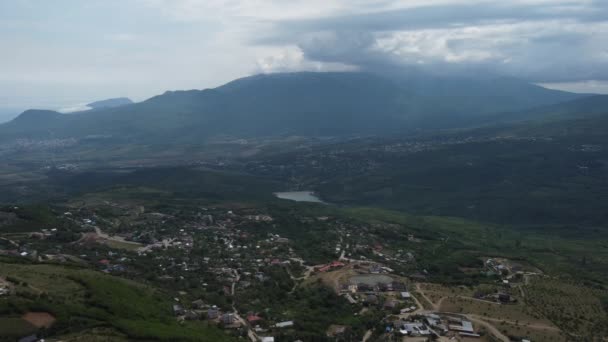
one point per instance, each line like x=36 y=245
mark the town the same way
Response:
x=243 y=269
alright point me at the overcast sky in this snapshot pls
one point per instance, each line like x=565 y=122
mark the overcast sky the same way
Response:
x=64 y=52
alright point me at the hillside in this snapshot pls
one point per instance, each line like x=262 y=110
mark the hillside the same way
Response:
x=311 y=104
x=211 y=236
x=551 y=170
x=81 y=300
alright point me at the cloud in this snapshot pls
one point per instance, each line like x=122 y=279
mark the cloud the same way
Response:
x=121 y=37
x=272 y=10
x=292 y=59
x=589 y=87
x=543 y=41
x=64 y=52
x=75 y=108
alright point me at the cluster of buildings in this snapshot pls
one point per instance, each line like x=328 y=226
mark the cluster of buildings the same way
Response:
x=434 y=324
x=214 y=253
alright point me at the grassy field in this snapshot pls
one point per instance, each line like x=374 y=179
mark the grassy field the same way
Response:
x=82 y=299
x=12 y=328
x=25 y=219
x=513 y=312
x=577 y=308
x=38 y=279
x=537 y=334
x=96 y=335
x=435 y=292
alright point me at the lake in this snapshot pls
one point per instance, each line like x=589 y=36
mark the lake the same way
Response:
x=299 y=196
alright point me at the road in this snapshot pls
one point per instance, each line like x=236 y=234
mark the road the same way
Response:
x=492 y=329
x=533 y=325
x=367 y=335
x=105 y=236
x=250 y=333
x=419 y=290
x=307 y=273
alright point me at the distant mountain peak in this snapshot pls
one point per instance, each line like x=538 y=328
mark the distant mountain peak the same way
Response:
x=110 y=103
x=37 y=114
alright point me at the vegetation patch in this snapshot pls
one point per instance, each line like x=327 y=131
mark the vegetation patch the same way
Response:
x=12 y=328
x=580 y=310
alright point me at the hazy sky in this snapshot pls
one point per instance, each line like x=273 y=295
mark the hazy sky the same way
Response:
x=64 y=52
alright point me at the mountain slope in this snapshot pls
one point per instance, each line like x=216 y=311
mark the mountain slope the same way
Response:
x=467 y=101
x=297 y=104
x=33 y=123
x=110 y=103
x=550 y=170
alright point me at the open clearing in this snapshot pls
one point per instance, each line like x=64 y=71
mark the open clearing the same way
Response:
x=533 y=333
x=370 y=279
x=39 y=319
x=508 y=312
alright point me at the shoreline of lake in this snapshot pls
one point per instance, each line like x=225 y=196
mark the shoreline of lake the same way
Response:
x=299 y=196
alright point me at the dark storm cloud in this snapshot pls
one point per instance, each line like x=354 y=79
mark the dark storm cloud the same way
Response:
x=540 y=41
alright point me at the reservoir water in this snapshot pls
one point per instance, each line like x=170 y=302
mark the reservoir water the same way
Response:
x=299 y=196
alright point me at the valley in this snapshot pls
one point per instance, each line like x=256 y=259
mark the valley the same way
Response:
x=485 y=231
x=287 y=269
x=304 y=171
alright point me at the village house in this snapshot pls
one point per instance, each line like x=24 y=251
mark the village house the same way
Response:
x=464 y=328
x=198 y=304
x=412 y=328
x=178 y=310
x=253 y=318
x=213 y=313
x=390 y=304
x=371 y=299
x=228 y=318
x=285 y=324
x=191 y=315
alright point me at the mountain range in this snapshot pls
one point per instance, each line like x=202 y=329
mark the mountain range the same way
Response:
x=307 y=103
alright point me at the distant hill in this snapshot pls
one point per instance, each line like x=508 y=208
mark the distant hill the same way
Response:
x=311 y=104
x=32 y=124
x=549 y=169
x=581 y=120
x=586 y=106
x=110 y=103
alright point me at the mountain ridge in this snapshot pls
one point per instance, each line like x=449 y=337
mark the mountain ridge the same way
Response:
x=110 y=103
x=304 y=103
